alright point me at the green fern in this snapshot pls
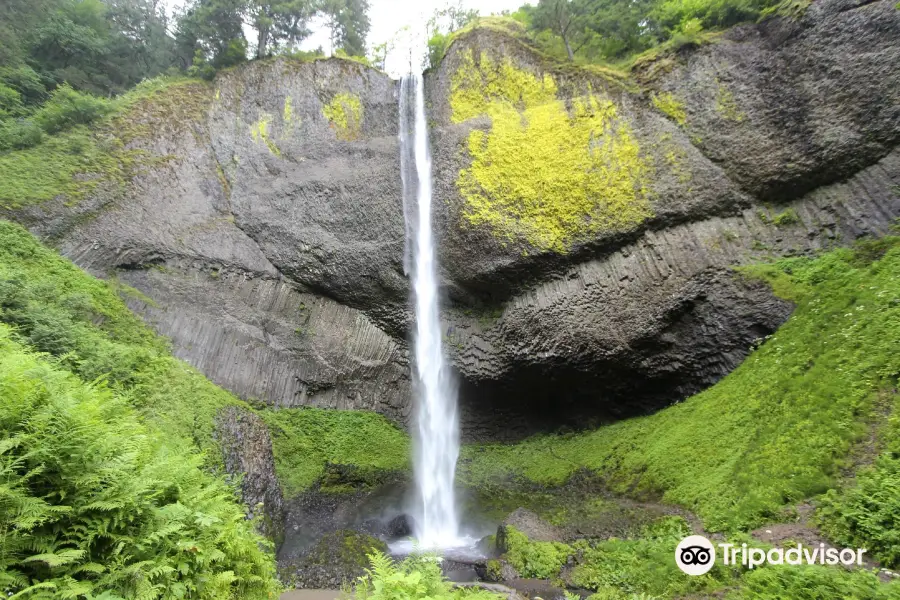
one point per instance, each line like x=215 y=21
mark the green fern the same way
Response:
x=93 y=504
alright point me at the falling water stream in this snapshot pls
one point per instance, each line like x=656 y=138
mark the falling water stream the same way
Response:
x=437 y=426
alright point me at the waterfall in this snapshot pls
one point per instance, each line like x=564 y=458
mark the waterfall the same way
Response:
x=437 y=427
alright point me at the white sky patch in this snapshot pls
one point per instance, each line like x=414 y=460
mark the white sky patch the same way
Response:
x=404 y=21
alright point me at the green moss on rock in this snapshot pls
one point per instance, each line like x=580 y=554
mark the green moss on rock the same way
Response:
x=545 y=174
x=341 y=450
x=78 y=162
x=345 y=114
x=535 y=559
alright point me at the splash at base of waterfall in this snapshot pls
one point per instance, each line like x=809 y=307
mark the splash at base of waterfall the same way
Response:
x=463 y=546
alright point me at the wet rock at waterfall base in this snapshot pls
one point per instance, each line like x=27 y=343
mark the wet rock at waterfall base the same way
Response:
x=338 y=558
x=487 y=546
x=400 y=526
x=497 y=570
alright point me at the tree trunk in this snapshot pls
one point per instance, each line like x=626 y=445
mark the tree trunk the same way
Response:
x=568 y=48
x=262 y=41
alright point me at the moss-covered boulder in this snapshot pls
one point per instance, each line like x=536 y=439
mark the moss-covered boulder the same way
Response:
x=338 y=557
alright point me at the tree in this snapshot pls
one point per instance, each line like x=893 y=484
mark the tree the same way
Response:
x=559 y=16
x=280 y=22
x=212 y=31
x=348 y=24
x=614 y=28
x=442 y=23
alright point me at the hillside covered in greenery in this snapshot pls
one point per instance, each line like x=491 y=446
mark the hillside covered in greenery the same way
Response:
x=113 y=480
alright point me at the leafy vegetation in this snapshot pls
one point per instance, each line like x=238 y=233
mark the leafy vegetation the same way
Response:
x=642 y=567
x=540 y=175
x=306 y=440
x=58 y=309
x=419 y=576
x=811 y=582
x=534 y=559
x=776 y=430
x=865 y=512
x=604 y=31
x=94 y=502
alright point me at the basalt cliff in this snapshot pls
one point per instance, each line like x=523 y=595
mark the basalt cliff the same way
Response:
x=588 y=222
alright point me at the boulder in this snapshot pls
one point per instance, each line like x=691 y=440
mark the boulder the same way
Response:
x=400 y=526
x=247 y=451
x=338 y=558
x=528 y=523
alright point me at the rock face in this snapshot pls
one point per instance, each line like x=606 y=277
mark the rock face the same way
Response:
x=777 y=139
x=247 y=449
x=267 y=239
x=268 y=234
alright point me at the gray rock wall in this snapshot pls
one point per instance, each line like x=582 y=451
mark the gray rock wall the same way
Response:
x=247 y=450
x=268 y=238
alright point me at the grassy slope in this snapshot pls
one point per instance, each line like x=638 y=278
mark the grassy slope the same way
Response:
x=642 y=568
x=775 y=431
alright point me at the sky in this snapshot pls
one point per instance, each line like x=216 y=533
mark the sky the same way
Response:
x=388 y=17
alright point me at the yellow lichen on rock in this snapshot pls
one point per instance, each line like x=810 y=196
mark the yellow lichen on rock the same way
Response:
x=288 y=117
x=726 y=105
x=671 y=106
x=259 y=131
x=545 y=174
x=344 y=113
x=475 y=87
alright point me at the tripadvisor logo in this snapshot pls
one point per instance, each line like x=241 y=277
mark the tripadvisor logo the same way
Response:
x=696 y=555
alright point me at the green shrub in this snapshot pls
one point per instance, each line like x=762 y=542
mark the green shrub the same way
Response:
x=67 y=107
x=26 y=82
x=18 y=134
x=812 y=582
x=437 y=46
x=94 y=502
x=787 y=217
x=419 y=577
x=688 y=33
x=868 y=514
x=619 y=568
x=673 y=14
x=535 y=559
x=10 y=102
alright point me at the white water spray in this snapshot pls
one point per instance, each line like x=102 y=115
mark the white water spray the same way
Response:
x=437 y=432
